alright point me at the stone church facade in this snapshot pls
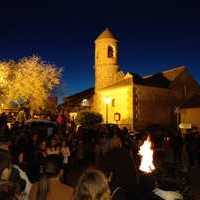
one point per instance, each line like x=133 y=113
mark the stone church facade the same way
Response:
x=129 y=99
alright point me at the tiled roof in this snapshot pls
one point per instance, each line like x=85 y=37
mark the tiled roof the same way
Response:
x=161 y=80
x=122 y=83
x=106 y=34
x=164 y=78
x=78 y=97
x=174 y=72
x=156 y=80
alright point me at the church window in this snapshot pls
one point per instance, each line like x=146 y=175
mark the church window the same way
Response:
x=110 y=52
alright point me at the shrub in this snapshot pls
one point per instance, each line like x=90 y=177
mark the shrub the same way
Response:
x=88 y=119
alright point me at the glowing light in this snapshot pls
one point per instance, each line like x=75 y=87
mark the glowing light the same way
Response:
x=85 y=102
x=107 y=100
x=146 y=153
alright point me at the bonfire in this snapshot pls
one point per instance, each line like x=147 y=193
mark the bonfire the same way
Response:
x=146 y=153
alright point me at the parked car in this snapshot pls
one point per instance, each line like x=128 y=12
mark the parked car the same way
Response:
x=44 y=127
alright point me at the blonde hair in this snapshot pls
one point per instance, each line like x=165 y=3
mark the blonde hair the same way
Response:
x=92 y=185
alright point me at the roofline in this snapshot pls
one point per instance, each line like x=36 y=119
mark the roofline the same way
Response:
x=169 y=70
x=102 y=36
x=117 y=84
x=165 y=71
x=75 y=94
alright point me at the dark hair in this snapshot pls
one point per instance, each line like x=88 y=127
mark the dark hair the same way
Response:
x=15 y=155
x=9 y=190
x=4 y=160
x=52 y=168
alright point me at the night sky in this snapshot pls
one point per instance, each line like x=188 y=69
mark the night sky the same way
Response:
x=154 y=35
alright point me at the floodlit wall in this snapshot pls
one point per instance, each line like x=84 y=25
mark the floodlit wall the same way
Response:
x=106 y=67
x=184 y=87
x=152 y=105
x=121 y=102
x=191 y=116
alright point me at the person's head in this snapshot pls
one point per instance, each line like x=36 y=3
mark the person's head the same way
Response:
x=7 y=171
x=52 y=166
x=6 y=190
x=92 y=185
x=5 y=165
x=52 y=169
x=34 y=137
x=18 y=156
x=116 y=141
x=12 y=191
x=43 y=145
x=5 y=143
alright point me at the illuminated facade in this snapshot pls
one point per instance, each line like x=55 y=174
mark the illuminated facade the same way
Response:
x=138 y=101
x=190 y=112
x=107 y=74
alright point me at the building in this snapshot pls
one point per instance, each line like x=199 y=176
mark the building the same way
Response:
x=129 y=99
x=190 y=113
x=81 y=101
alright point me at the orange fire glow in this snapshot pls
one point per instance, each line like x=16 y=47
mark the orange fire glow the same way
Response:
x=146 y=154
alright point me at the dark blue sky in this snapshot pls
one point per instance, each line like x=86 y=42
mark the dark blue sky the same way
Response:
x=154 y=35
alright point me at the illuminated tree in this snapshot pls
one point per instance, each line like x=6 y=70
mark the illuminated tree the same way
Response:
x=28 y=81
x=5 y=80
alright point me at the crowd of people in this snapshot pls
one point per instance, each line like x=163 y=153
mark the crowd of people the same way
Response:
x=99 y=163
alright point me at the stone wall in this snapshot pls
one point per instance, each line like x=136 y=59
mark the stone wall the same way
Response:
x=183 y=88
x=152 y=105
x=105 y=75
x=191 y=116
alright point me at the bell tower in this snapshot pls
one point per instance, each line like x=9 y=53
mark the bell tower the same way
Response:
x=106 y=59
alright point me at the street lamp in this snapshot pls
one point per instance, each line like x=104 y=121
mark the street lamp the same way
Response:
x=107 y=101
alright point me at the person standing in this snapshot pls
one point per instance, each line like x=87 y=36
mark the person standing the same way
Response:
x=21 y=117
x=118 y=161
x=92 y=185
x=50 y=187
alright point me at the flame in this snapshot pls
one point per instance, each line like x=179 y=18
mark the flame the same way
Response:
x=146 y=153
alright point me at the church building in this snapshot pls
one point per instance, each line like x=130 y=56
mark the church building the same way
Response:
x=129 y=99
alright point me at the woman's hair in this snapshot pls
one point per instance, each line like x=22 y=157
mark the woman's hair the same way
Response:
x=92 y=185
x=7 y=191
x=4 y=161
x=52 y=169
x=10 y=190
x=52 y=166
